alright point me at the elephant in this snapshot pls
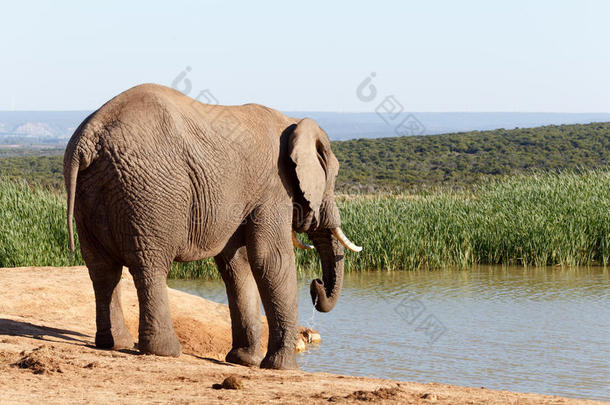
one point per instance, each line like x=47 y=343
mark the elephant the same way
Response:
x=154 y=177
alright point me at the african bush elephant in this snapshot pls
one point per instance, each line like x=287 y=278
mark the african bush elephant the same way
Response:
x=154 y=177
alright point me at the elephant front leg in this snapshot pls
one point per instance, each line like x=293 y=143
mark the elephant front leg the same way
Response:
x=244 y=306
x=111 y=330
x=271 y=257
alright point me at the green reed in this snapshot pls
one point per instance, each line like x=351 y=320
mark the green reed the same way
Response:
x=33 y=229
x=538 y=220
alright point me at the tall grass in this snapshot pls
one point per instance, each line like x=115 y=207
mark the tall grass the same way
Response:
x=545 y=219
x=33 y=228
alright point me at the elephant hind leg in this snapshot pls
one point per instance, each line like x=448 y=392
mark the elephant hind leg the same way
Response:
x=244 y=306
x=111 y=330
x=155 y=333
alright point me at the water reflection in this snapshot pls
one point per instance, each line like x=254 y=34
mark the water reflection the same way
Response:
x=544 y=330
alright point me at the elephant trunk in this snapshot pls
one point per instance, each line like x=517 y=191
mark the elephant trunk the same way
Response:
x=325 y=294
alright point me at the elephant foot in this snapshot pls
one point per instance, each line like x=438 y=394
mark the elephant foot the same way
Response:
x=280 y=360
x=114 y=339
x=165 y=344
x=245 y=357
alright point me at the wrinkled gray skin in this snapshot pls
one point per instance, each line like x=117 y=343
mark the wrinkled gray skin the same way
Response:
x=154 y=177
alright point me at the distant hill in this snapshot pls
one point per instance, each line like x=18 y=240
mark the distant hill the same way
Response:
x=413 y=162
x=54 y=128
x=39 y=127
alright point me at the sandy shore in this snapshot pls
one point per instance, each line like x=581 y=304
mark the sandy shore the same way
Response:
x=47 y=325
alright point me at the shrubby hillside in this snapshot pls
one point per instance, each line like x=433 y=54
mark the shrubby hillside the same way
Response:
x=464 y=158
x=416 y=162
x=46 y=171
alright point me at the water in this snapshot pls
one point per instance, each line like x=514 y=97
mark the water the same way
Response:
x=528 y=330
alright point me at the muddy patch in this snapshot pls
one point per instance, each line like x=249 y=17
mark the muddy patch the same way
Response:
x=232 y=382
x=379 y=394
x=40 y=361
x=202 y=339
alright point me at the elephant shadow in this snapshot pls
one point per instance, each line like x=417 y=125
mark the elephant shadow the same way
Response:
x=9 y=327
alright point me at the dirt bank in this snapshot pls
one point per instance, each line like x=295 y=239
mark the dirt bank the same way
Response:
x=47 y=324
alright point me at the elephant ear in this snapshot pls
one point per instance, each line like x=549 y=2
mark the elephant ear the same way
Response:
x=304 y=152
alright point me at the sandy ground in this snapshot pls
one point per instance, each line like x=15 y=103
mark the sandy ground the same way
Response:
x=47 y=325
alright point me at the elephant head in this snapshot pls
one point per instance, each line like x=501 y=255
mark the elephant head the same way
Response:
x=315 y=209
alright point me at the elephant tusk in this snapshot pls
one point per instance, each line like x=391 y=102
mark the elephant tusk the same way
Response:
x=338 y=233
x=301 y=245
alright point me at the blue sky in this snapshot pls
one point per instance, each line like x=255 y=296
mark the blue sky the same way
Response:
x=547 y=56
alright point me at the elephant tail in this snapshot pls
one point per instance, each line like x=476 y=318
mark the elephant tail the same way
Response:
x=72 y=174
x=79 y=154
